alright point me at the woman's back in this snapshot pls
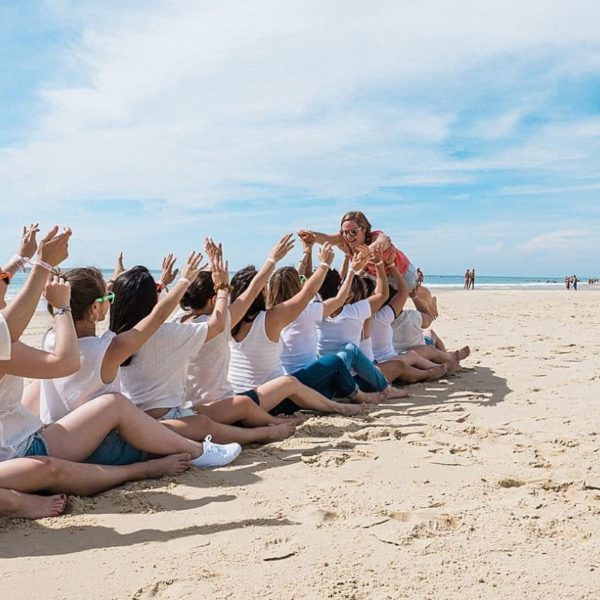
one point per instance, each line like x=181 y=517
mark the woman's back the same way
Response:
x=299 y=339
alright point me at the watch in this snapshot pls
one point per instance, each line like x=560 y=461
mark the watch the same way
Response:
x=62 y=311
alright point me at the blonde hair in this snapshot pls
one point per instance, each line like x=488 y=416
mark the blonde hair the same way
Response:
x=283 y=285
x=361 y=219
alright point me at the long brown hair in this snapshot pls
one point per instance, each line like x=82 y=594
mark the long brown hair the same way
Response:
x=359 y=217
x=87 y=284
x=284 y=284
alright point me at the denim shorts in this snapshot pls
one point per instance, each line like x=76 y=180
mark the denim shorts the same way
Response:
x=178 y=413
x=114 y=450
x=36 y=446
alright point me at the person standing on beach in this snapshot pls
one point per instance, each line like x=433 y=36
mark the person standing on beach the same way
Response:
x=420 y=276
x=472 y=282
x=467 y=279
x=575 y=281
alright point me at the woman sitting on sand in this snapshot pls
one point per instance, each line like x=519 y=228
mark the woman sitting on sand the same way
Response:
x=73 y=438
x=355 y=230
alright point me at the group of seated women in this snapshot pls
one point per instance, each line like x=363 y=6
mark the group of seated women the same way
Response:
x=191 y=368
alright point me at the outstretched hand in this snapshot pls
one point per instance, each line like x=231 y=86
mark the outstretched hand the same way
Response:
x=57 y=292
x=307 y=237
x=168 y=275
x=54 y=248
x=219 y=270
x=28 y=244
x=326 y=253
x=192 y=267
x=283 y=246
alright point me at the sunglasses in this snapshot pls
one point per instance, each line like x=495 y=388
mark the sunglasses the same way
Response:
x=351 y=232
x=5 y=275
x=110 y=297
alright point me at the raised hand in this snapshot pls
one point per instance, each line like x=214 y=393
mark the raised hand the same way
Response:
x=359 y=261
x=210 y=248
x=54 y=248
x=219 y=270
x=307 y=237
x=57 y=292
x=326 y=253
x=192 y=267
x=168 y=275
x=374 y=257
x=28 y=244
x=283 y=246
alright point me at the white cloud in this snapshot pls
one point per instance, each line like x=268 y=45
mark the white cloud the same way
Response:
x=553 y=241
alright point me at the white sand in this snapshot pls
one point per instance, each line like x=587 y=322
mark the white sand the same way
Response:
x=485 y=485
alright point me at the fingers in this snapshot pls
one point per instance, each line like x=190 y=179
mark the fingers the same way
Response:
x=50 y=235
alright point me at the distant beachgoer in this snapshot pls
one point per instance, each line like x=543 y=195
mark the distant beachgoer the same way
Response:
x=567 y=282
x=467 y=279
x=420 y=276
x=575 y=281
x=472 y=282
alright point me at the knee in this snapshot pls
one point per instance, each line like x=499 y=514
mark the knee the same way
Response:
x=292 y=383
x=51 y=468
x=112 y=401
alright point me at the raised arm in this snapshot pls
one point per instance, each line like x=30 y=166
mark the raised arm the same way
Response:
x=119 y=268
x=305 y=267
x=335 y=239
x=129 y=342
x=381 y=243
x=356 y=266
x=220 y=276
x=64 y=359
x=53 y=249
x=281 y=315
x=27 y=248
x=242 y=303
x=382 y=289
x=398 y=300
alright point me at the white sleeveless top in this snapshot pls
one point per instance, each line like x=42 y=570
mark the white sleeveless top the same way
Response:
x=407 y=332
x=256 y=359
x=58 y=397
x=299 y=339
x=206 y=379
x=382 y=334
x=155 y=377
x=335 y=332
x=17 y=424
x=366 y=348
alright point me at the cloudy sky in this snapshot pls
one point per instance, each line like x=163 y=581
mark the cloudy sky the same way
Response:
x=468 y=130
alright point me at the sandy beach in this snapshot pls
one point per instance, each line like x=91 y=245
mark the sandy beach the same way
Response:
x=482 y=485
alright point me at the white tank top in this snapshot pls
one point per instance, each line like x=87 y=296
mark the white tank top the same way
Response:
x=206 y=379
x=382 y=334
x=256 y=359
x=58 y=397
x=299 y=339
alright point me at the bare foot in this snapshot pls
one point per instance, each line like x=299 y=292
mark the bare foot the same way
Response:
x=276 y=433
x=349 y=410
x=464 y=352
x=296 y=418
x=367 y=397
x=453 y=362
x=32 y=506
x=436 y=372
x=391 y=392
x=174 y=464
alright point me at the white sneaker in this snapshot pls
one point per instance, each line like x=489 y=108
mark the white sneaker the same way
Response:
x=216 y=455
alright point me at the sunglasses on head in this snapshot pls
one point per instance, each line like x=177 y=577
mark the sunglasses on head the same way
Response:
x=351 y=232
x=110 y=297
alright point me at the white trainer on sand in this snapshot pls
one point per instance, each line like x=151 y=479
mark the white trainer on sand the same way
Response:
x=216 y=455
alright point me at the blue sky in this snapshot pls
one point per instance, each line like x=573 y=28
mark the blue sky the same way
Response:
x=469 y=131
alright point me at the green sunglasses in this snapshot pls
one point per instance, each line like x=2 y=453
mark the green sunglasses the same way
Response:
x=110 y=297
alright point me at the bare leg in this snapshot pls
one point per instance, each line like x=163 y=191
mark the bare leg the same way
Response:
x=450 y=359
x=397 y=369
x=199 y=426
x=239 y=408
x=31 y=397
x=437 y=340
x=412 y=359
x=78 y=434
x=17 y=505
x=423 y=301
x=44 y=473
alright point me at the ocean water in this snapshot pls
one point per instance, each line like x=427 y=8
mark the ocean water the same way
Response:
x=435 y=282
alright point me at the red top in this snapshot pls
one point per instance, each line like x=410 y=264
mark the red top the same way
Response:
x=402 y=261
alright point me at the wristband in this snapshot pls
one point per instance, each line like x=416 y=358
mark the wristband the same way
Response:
x=18 y=261
x=224 y=286
x=378 y=263
x=325 y=265
x=185 y=280
x=40 y=263
x=351 y=271
x=61 y=311
x=272 y=260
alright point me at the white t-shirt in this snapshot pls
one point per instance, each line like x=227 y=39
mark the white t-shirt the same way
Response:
x=299 y=339
x=207 y=369
x=382 y=335
x=17 y=424
x=155 y=377
x=58 y=397
x=333 y=333
x=5 y=341
x=366 y=348
x=256 y=359
x=407 y=331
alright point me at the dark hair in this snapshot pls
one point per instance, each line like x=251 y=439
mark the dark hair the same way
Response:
x=200 y=291
x=135 y=297
x=331 y=284
x=87 y=284
x=240 y=282
x=393 y=292
x=369 y=286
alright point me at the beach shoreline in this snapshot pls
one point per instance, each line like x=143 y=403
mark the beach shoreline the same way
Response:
x=481 y=485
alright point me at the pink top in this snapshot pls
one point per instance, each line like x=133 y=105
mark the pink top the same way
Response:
x=402 y=261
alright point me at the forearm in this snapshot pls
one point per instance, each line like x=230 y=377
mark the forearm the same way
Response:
x=335 y=239
x=305 y=265
x=13 y=265
x=218 y=317
x=65 y=355
x=382 y=289
x=19 y=312
x=331 y=305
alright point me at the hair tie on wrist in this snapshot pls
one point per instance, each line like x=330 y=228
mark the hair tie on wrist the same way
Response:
x=39 y=262
x=352 y=271
x=324 y=264
x=19 y=261
x=272 y=260
x=185 y=280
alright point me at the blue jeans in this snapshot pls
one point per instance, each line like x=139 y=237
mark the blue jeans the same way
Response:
x=368 y=376
x=328 y=376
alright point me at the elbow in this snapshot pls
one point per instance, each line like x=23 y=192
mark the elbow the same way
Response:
x=66 y=366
